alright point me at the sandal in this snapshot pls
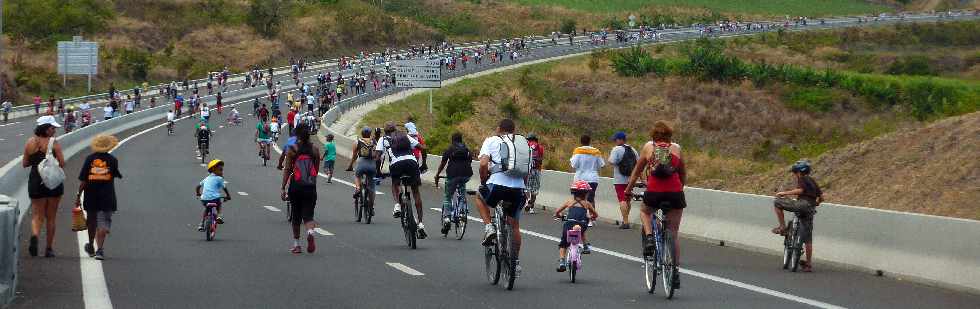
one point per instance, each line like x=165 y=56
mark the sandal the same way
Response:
x=779 y=231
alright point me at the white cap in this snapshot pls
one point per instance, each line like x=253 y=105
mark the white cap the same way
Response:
x=48 y=120
x=412 y=130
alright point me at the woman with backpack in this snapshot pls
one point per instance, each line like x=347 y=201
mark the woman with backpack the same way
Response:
x=665 y=184
x=45 y=197
x=366 y=161
x=301 y=162
x=459 y=159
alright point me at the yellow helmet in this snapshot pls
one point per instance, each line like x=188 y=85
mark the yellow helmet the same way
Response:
x=214 y=163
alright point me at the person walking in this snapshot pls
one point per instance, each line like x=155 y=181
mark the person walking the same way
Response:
x=623 y=159
x=587 y=161
x=7 y=106
x=534 y=176
x=37 y=104
x=97 y=182
x=44 y=198
x=299 y=176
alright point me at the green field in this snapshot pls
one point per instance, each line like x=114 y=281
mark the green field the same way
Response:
x=762 y=7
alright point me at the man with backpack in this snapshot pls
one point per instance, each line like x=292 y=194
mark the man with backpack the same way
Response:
x=302 y=161
x=397 y=147
x=623 y=158
x=459 y=171
x=505 y=161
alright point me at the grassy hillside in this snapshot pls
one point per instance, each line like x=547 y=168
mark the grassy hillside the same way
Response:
x=162 y=40
x=731 y=128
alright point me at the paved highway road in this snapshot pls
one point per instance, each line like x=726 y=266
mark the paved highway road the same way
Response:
x=156 y=259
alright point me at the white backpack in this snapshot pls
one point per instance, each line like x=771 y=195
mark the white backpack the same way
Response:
x=51 y=173
x=515 y=156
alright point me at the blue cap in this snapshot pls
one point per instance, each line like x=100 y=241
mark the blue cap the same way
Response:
x=619 y=135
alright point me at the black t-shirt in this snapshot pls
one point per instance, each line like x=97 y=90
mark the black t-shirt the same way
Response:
x=99 y=172
x=459 y=161
x=811 y=191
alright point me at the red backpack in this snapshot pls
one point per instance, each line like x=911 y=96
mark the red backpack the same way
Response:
x=304 y=169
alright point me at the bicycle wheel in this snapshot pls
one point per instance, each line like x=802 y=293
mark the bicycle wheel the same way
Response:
x=408 y=224
x=787 y=248
x=507 y=253
x=668 y=272
x=367 y=204
x=460 y=220
x=797 y=248
x=357 y=209
x=208 y=226
x=574 y=269
x=492 y=263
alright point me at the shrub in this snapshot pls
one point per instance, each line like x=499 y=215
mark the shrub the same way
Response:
x=53 y=20
x=816 y=100
x=509 y=108
x=634 y=62
x=134 y=63
x=911 y=65
x=568 y=26
x=266 y=16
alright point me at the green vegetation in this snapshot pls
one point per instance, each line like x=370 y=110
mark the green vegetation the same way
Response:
x=799 y=7
x=47 y=21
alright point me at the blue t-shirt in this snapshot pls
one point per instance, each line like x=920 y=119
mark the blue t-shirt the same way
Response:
x=289 y=142
x=211 y=187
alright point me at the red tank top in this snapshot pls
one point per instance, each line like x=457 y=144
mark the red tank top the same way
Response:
x=671 y=184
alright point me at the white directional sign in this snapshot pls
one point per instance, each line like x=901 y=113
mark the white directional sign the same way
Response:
x=418 y=74
x=78 y=57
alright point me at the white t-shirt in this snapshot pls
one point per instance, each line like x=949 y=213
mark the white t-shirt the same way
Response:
x=385 y=146
x=170 y=116
x=108 y=110
x=491 y=149
x=205 y=112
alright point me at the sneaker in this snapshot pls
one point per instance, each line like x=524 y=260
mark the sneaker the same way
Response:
x=220 y=220
x=587 y=248
x=310 y=243
x=445 y=226
x=517 y=269
x=90 y=250
x=489 y=235
x=200 y=227
x=676 y=281
x=296 y=250
x=562 y=265
x=32 y=247
x=49 y=253
x=397 y=213
x=624 y=226
x=422 y=234
x=100 y=255
x=591 y=223
x=649 y=246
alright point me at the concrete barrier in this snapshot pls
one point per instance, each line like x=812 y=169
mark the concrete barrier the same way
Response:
x=8 y=239
x=930 y=249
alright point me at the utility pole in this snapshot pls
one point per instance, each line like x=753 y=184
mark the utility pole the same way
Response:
x=1 y=49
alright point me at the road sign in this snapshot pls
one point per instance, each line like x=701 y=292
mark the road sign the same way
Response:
x=417 y=84
x=418 y=73
x=77 y=57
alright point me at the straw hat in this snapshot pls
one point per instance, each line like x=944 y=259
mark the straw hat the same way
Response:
x=104 y=143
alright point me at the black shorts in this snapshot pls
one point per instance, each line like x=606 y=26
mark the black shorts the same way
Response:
x=495 y=194
x=664 y=200
x=408 y=168
x=303 y=202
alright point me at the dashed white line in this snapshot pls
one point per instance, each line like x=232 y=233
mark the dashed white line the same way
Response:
x=405 y=269
x=323 y=232
x=242 y=193
x=722 y=280
x=271 y=208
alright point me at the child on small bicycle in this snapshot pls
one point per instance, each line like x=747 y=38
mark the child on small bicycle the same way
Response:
x=209 y=190
x=580 y=211
x=808 y=197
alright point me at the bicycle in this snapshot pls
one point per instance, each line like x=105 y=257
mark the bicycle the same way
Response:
x=793 y=244
x=364 y=202
x=264 y=152
x=407 y=217
x=574 y=254
x=202 y=147
x=170 y=128
x=500 y=251
x=210 y=221
x=662 y=261
x=459 y=211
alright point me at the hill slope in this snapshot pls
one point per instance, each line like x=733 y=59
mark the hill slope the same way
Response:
x=933 y=170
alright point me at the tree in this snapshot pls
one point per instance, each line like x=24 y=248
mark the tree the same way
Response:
x=266 y=16
x=568 y=26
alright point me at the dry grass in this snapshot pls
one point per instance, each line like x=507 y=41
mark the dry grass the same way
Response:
x=236 y=47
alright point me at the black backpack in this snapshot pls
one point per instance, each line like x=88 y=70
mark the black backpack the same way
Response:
x=627 y=162
x=459 y=153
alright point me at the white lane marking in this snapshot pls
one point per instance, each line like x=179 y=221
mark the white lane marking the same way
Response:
x=405 y=269
x=323 y=232
x=20 y=134
x=271 y=208
x=722 y=280
x=95 y=293
x=9 y=124
x=2 y=139
x=204 y=165
x=242 y=193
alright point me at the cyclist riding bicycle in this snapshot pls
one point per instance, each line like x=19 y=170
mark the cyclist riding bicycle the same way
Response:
x=398 y=146
x=209 y=189
x=365 y=159
x=458 y=173
x=497 y=185
x=808 y=197
x=262 y=138
x=580 y=212
x=170 y=119
x=203 y=136
x=665 y=186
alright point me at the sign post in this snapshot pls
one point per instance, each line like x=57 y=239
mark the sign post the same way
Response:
x=419 y=74
x=77 y=57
